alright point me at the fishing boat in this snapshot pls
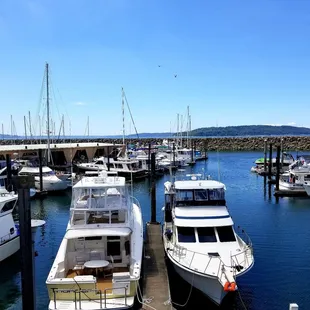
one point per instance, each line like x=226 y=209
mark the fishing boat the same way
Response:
x=200 y=240
x=98 y=263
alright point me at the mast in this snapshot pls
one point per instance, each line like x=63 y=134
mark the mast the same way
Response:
x=48 y=115
x=123 y=114
x=187 y=142
x=88 y=127
x=25 y=127
x=11 y=128
x=30 y=131
x=181 y=133
x=2 y=132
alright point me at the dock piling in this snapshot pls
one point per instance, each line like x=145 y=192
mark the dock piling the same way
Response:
x=265 y=156
x=40 y=170
x=278 y=167
x=153 y=190
x=270 y=162
x=23 y=184
x=8 y=172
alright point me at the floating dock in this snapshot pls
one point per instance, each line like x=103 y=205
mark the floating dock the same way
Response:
x=290 y=193
x=156 y=291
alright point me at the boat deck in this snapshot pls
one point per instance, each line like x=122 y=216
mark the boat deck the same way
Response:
x=102 y=282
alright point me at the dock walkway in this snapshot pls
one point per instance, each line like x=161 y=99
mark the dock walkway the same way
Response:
x=156 y=284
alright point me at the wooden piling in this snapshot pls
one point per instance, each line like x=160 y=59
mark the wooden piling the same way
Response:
x=23 y=184
x=265 y=156
x=278 y=167
x=270 y=162
x=40 y=170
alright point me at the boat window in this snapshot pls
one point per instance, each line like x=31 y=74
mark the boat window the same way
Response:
x=127 y=247
x=201 y=194
x=93 y=238
x=8 y=206
x=184 y=195
x=206 y=234
x=226 y=234
x=216 y=194
x=113 y=245
x=186 y=234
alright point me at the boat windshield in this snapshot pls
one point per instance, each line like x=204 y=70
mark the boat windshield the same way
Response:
x=200 y=197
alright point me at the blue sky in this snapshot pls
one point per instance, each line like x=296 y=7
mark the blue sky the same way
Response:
x=237 y=62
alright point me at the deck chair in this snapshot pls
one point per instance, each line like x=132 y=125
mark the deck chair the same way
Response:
x=79 y=265
x=108 y=271
x=95 y=255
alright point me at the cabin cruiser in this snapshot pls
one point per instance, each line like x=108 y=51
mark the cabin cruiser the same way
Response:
x=51 y=182
x=199 y=237
x=123 y=166
x=9 y=234
x=299 y=173
x=98 y=263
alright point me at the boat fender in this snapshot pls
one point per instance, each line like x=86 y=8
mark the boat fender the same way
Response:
x=230 y=286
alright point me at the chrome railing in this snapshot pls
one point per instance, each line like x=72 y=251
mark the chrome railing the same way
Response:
x=79 y=292
x=187 y=257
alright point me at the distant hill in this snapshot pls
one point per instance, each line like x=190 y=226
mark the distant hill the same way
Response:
x=250 y=130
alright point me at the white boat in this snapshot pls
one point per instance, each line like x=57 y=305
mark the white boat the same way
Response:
x=98 y=263
x=199 y=238
x=295 y=178
x=122 y=166
x=9 y=235
x=50 y=181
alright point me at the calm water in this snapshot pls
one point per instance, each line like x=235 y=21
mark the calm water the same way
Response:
x=280 y=233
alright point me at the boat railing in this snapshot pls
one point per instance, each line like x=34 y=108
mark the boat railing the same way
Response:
x=100 y=296
x=211 y=261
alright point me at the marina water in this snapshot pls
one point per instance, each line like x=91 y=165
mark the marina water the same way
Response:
x=279 y=231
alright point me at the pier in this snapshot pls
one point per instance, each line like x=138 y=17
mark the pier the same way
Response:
x=156 y=289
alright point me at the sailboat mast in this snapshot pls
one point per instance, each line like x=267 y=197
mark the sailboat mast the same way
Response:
x=25 y=127
x=48 y=114
x=2 y=132
x=88 y=127
x=123 y=114
x=187 y=142
x=30 y=131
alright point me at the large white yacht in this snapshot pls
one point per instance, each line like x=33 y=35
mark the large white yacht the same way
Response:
x=98 y=263
x=199 y=238
x=9 y=235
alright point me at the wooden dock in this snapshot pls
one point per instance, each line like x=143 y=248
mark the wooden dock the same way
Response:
x=288 y=193
x=156 y=283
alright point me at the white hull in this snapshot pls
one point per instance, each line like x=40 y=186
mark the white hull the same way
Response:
x=296 y=188
x=51 y=184
x=9 y=248
x=307 y=189
x=211 y=287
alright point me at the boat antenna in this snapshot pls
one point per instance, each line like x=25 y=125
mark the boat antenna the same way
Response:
x=123 y=114
x=218 y=161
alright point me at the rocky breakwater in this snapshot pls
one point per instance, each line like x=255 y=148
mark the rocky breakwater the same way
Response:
x=292 y=143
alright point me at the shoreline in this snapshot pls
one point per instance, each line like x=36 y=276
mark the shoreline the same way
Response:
x=292 y=143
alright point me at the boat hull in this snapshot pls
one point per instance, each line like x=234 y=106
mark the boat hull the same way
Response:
x=51 y=185
x=307 y=188
x=9 y=248
x=210 y=287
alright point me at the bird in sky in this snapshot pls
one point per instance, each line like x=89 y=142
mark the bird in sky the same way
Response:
x=175 y=75
x=159 y=66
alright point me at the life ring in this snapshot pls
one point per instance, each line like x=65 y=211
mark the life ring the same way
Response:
x=230 y=286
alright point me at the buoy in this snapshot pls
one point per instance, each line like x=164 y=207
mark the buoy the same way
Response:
x=230 y=286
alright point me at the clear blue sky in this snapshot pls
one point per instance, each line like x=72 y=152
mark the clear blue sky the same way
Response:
x=237 y=62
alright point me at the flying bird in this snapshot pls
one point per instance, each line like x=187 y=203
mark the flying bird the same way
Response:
x=175 y=75
x=159 y=66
